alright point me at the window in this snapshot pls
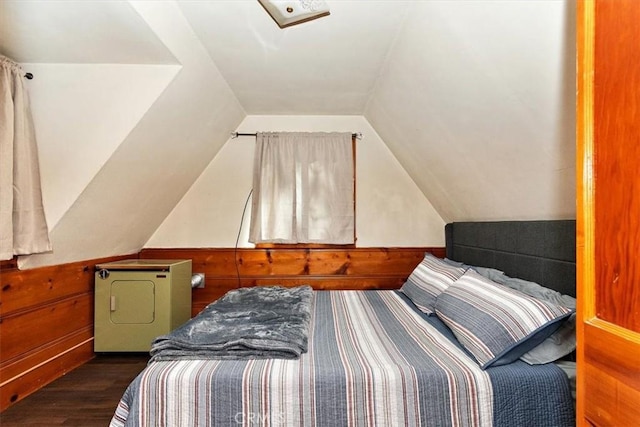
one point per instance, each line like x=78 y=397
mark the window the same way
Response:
x=303 y=189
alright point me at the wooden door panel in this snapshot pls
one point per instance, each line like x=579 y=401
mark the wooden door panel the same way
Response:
x=620 y=409
x=617 y=154
x=611 y=376
x=608 y=223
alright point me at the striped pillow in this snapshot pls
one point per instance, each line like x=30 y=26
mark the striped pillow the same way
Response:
x=495 y=323
x=428 y=280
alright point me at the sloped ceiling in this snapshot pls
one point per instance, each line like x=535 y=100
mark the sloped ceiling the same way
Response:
x=474 y=98
x=325 y=67
x=134 y=186
x=477 y=102
x=78 y=32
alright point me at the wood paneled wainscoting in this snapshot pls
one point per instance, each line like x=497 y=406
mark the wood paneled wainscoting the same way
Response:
x=322 y=268
x=46 y=324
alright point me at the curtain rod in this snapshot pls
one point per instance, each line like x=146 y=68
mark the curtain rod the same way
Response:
x=234 y=135
x=29 y=76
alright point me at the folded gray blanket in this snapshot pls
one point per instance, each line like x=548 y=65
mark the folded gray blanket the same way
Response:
x=247 y=323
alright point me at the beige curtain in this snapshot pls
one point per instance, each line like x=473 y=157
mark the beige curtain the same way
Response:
x=23 y=228
x=303 y=188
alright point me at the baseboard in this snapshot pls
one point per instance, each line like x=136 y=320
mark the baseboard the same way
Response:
x=17 y=388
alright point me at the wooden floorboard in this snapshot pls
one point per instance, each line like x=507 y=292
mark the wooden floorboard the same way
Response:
x=86 y=397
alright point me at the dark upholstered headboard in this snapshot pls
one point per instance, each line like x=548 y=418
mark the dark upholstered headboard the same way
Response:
x=540 y=251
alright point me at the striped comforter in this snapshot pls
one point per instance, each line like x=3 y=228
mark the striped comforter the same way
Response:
x=373 y=360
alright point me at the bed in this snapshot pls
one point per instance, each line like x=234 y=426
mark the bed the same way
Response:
x=380 y=358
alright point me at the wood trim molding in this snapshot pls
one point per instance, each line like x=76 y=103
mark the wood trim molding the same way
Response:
x=585 y=253
x=9 y=264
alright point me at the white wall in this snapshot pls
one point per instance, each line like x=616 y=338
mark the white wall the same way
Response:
x=474 y=103
x=390 y=209
x=154 y=164
x=478 y=105
x=81 y=113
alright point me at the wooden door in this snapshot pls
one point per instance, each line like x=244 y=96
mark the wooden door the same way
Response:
x=608 y=191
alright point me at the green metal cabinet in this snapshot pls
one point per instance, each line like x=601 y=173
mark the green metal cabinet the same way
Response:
x=137 y=300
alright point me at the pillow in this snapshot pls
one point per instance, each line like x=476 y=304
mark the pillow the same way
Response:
x=489 y=273
x=536 y=290
x=559 y=344
x=563 y=340
x=428 y=280
x=494 y=323
x=455 y=263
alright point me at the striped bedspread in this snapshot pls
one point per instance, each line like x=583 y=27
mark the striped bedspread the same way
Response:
x=373 y=360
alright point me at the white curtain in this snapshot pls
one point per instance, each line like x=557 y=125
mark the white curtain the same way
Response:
x=23 y=228
x=303 y=186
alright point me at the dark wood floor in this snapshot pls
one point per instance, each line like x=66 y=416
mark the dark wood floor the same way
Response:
x=87 y=396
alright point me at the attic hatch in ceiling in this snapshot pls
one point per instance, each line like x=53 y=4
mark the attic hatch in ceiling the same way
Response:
x=291 y=12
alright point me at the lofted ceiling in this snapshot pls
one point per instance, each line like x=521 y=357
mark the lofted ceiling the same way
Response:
x=326 y=67
x=475 y=98
x=79 y=32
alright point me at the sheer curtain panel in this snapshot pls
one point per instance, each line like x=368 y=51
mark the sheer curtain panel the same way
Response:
x=303 y=188
x=23 y=228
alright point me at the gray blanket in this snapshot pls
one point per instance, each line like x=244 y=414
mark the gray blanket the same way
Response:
x=246 y=323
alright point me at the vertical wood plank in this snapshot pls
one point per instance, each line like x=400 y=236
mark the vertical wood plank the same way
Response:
x=617 y=154
x=585 y=272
